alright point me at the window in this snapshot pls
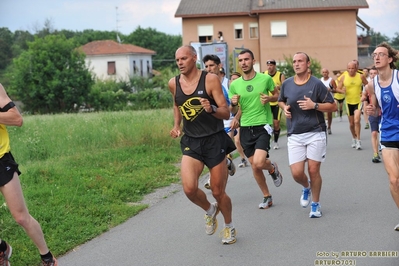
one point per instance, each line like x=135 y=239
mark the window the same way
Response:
x=111 y=68
x=148 y=68
x=278 y=28
x=134 y=67
x=141 y=67
x=253 y=30
x=205 y=33
x=238 y=30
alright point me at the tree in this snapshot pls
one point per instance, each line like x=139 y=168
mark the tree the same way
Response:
x=6 y=40
x=51 y=76
x=163 y=44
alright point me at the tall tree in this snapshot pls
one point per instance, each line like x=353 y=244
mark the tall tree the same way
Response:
x=6 y=41
x=163 y=44
x=51 y=76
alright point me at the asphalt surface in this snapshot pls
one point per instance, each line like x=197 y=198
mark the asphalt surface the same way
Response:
x=357 y=224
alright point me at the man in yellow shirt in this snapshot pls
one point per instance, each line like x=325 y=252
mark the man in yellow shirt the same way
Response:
x=278 y=78
x=353 y=83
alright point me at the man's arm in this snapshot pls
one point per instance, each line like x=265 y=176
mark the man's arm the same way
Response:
x=215 y=91
x=10 y=117
x=373 y=107
x=340 y=87
x=176 y=131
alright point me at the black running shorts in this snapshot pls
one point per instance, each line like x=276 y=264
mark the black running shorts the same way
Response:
x=254 y=137
x=8 y=167
x=210 y=150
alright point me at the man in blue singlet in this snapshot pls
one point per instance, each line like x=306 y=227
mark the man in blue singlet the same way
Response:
x=384 y=95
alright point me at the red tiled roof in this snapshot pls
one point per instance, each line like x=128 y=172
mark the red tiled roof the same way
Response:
x=112 y=47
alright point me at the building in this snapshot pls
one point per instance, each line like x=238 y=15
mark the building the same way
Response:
x=325 y=29
x=112 y=60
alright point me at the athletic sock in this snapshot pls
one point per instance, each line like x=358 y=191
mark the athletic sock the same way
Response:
x=47 y=257
x=3 y=245
x=230 y=225
x=276 y=135
x=211 y=210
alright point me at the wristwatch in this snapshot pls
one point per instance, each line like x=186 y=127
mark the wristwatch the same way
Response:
x=316 y=106
x=214 y=108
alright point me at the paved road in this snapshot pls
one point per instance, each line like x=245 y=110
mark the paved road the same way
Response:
x=358 y=219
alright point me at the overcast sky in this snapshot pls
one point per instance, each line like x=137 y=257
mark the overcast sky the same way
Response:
x=127 y=15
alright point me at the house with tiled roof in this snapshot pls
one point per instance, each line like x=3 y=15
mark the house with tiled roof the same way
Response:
x=275 y=29
x=112 y=60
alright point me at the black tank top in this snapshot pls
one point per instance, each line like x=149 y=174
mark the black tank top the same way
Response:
x=197 y=122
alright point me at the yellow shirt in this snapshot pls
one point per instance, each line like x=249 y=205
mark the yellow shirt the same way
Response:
x=4 y=141
x=277 y=82
x=354 y=86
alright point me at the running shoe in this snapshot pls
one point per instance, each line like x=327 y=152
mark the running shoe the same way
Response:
x=376 y=158
x=267 y=203
x=397 y=227
x=51 y=262
x=276 y=175
x=329 y=131
x=228 y=235
x=243 y=163
x=276 y=146
x=305 y=197
x=340 y=119
x=231 y=167
x=353 y=143
x=207 y=184
x=5 y=256
x=367 y=126
x=211 y=223
x=358 y=145
x=315 y=210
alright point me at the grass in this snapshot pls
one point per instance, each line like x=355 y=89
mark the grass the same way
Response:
x=82 y=172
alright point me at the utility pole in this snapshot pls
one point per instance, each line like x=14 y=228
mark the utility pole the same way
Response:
x=117 y=26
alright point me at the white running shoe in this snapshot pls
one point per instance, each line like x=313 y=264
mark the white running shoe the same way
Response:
x=315 y=210
x=353 y=143
x=207 y=184
x=358 y=145
x=305 y=197
x=228 y=235
x=211 y=223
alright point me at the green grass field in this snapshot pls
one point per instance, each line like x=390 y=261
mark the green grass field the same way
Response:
x=82 y=172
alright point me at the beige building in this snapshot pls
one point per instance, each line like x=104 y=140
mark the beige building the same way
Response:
x=325 y=29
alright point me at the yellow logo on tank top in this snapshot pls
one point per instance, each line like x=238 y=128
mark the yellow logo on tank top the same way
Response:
x=191 y=108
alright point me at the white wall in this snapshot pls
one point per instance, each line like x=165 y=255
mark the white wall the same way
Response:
x=123 y=64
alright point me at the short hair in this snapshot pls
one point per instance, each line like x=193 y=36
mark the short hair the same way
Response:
x=236 y=74
x=391 y=53
x=191 y=48
x=306 y=55
x=247 y=51
x=211 y=57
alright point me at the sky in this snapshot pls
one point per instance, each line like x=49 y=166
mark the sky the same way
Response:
x=127 y=15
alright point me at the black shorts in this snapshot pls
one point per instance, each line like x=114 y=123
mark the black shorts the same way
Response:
x=252 y=138
x=276 y=111
x=8 y=167
x=351 y=108
x=390 y=144
x=210 y=150
x=339 y=100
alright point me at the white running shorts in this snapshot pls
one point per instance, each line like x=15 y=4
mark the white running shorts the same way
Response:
x=310 y=145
